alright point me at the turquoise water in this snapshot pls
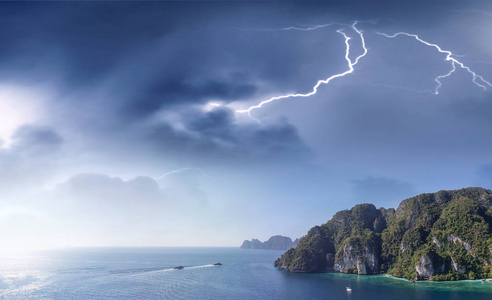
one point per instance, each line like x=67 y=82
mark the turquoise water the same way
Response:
x=146 y=273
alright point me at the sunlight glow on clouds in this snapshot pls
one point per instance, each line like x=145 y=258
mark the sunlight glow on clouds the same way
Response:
x=139 y=90
x=18 y=105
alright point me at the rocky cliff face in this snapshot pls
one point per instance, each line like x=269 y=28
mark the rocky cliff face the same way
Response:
x=276 y=242
x=442 y=236
x=359 y=257
x=428 y=265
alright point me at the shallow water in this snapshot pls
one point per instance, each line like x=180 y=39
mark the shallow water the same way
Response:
x=147 y=273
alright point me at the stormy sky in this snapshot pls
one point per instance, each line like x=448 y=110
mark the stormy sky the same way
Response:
x=124 y=123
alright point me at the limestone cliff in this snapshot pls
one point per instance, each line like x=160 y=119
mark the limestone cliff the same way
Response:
x=441 y=236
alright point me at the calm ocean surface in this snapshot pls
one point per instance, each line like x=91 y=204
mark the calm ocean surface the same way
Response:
x=146 y=273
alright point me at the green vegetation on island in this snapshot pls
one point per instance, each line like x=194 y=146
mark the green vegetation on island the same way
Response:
x=441 y=236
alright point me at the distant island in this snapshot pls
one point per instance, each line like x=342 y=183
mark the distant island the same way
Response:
x=437 y=236
x=276 y=242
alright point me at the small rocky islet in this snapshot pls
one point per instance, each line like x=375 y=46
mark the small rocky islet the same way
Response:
x=437 y=236
x=277 y=242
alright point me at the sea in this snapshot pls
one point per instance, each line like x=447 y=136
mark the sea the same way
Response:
x=148 y=273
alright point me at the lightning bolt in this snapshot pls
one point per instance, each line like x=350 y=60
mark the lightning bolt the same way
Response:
x=292 y=28
x=315 y=27
x=176 y=171
x=449 y=57
x=350 y=63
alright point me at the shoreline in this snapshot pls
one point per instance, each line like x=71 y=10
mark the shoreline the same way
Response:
x=384 y=280
x=429 y=280
x=360 y=282
x=389 y=276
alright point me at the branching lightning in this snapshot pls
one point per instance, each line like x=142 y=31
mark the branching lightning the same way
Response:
x=176 y=171
x=450 y=57
x=477 y=79
x=292 y=28
x=350 y=63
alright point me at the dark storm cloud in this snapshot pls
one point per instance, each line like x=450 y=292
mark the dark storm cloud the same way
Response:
x=120 y=64
x=216 y=123
x=382 y=191
x=215 y=136
x=150 y=99
x=85 y=41
x=36 y=140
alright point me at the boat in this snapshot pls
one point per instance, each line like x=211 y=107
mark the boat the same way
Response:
x=217 y=264
x=349 y=288
x=178 y=268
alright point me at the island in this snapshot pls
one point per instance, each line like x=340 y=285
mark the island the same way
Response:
x=436 y=236
x=276 y=242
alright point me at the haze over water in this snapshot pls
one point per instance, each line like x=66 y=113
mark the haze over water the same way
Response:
x=147 y=273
